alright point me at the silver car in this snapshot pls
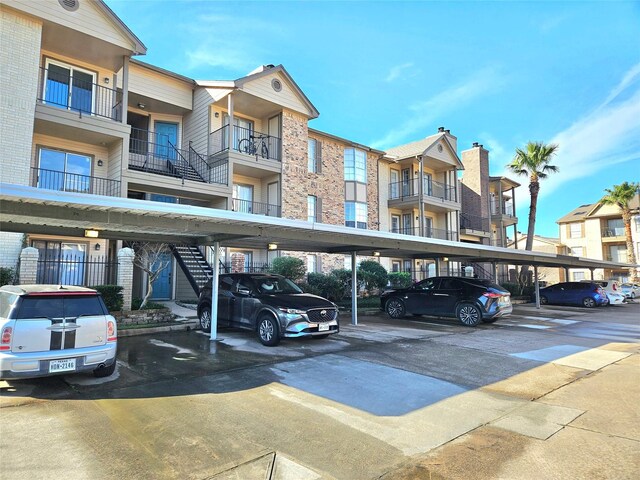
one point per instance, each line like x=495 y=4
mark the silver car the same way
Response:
x=51 y=329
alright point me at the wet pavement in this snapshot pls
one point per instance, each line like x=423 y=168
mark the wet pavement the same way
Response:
x=550 y=393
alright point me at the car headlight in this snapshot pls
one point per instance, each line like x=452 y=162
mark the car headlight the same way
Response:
x=293 y=311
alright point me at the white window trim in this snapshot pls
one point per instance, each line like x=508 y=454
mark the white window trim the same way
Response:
x=94 y=81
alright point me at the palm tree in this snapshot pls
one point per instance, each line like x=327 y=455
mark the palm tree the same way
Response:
x=621 y=195
x=533 y=162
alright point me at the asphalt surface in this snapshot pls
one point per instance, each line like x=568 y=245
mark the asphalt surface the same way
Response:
x=551 y=393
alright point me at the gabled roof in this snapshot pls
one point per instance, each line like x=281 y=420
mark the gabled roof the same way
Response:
x=549 y=240
x=138 y=47
x=419 y=147
x=505 y=180
x=578 y=214
x=344 y=140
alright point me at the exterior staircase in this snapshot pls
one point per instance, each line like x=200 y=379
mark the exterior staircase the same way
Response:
x=193 y=264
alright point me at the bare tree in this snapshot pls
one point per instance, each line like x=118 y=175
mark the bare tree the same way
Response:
x=151 y=259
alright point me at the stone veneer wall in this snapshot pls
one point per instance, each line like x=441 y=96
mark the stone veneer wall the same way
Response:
x=20 y=37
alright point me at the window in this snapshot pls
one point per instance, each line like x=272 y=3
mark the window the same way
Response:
x=355 y=165
x=618 y=253
x=406 y=224
x=575 y=230
x=64 y=171
x=615 y=227
x=577 y=251
x=241 y=129
x=242 y=198
x=577 y=276
x=395 y=223
x=69 y=87
x=60 y=262
x=311 y=208
x=314 y=156
x=355 y=214
x=312 y=263
x=395 y=266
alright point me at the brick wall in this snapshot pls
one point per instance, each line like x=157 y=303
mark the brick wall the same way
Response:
x=475 y=181
x=20 y=37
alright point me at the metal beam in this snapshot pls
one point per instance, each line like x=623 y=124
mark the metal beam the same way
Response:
x=354 y=290
x=214 y=291
x=536 y=286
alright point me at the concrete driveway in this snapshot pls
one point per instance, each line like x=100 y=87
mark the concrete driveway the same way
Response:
x=552 y=393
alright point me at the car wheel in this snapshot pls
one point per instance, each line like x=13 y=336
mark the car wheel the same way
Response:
x=469 y=314
x=204 y=316
x=268 y=332
x=543 y=300
x=395 y=308
x=588 y=302
x=102 y=372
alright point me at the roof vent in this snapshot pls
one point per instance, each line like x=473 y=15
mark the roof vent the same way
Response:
x=475 y=144
x=70 y=5
x=276 y=84
x=440 y=129
x=448 y=131
x=271 y=65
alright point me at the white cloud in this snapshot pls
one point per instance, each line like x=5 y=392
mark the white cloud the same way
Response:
x=396 y=71
x=427 y=111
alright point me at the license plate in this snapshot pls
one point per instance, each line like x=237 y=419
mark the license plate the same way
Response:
x=323 y=327
x=64 y=365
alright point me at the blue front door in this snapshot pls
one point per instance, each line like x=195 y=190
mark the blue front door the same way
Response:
x=162 y=284
x=166 y=140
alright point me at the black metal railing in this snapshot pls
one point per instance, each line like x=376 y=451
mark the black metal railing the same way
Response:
x=76 y=91
x=246 y=141
x=246 y=267
x=154 y=153
x=430 y=188
x=59 y=269
x=474 y=222
x=506 y=210
x=258 y=208
x=428 y=233
x=613 y=232
x=73 y=182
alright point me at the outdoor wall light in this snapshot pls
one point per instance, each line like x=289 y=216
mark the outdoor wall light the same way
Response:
x=97 y=247
x=100 y=163
x=272 y=246
x=445 y=259
x=91 y=233
x=216 y=114
x=141 y=106
x=106 y=80
x=376 y=254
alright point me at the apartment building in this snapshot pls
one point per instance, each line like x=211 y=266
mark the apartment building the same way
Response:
x=597 y=231
x=546 y=275
x=80 y=114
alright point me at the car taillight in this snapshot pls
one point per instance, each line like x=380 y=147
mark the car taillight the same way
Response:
x=5 y=343
x=491 y=295
x=111 y=331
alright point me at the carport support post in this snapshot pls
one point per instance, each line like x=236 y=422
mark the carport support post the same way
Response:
x=214 y=291
x=354 y=290
x=591 y=270
x=537 y=286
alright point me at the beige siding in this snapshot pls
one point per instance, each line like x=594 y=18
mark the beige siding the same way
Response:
x=100 y=72
x=87 y=19
x=117 y=153
x=445 y=155
x=261 y=87
x=95 y=151
x=160 y=87
x=196 y=122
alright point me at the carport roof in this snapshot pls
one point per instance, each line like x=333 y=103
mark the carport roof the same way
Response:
x=33 y=210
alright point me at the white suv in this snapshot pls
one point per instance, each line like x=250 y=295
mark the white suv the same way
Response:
x=51 y=329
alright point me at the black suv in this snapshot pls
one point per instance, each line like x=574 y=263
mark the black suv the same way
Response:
x=471 y=300
x=270 y=305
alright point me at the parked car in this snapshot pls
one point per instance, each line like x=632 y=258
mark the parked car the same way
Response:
x=271 y=305
x=50 y=329
x=630 y=290
x=471 y=300
x=615 y=298
x=586 y=294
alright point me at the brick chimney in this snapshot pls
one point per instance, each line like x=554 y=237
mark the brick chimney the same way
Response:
x=475 y=181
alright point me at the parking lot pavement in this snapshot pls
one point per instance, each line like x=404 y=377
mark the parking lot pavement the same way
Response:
x=548 y=393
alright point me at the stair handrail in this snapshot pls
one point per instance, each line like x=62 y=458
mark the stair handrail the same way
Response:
x=190 y=278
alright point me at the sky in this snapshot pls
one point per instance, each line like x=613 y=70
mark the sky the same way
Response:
x=387 y=73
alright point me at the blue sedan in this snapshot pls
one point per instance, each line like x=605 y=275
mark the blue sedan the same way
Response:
x=585 y=294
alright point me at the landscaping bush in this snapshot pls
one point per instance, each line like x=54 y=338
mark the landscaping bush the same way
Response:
x=290 y=267
x=372 y=276
x=517 y=290
x=112 y=296
x=7 y=276
x=327 y=286
x=400 y=279
x=344 y=278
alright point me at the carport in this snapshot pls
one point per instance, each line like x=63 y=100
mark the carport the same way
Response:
x=29 y=209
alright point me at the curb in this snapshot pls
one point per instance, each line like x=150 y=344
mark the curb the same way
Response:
x=185 y=325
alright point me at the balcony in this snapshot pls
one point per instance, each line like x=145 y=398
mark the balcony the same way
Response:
x=503 y=212
x=428 y=233
x=474 y=223
x=59 y=88
x=613 y=233
x=153 y=153
x=247 y=142
x=71 y=182
x=258 y=208
x=439 y=196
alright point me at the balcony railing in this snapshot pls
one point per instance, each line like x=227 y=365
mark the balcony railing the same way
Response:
x=154 y=153
x=429 y=233
x=613 y=232
x=474 y=222
x=507 y=209
x=258 y=208
x=246 y=141
x=73 y=182
x=409 y=188
x=59 y=88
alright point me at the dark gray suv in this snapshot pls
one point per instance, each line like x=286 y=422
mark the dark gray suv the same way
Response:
x=271 y=305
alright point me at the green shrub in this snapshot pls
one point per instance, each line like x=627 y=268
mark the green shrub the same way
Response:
x=7 y=276
x=400 y=279
x=344 y=278
x=136 y=302
x=372 y=276
x=290 y=267
x=112 y=296
x=519 y=290
x=327 y=286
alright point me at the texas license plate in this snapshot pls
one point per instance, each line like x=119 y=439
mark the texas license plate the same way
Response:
x=64 y=365
x=323 y=327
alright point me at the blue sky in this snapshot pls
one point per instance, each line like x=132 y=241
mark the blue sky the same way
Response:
x=387 y=73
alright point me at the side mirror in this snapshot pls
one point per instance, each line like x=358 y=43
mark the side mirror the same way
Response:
x=244 y=292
